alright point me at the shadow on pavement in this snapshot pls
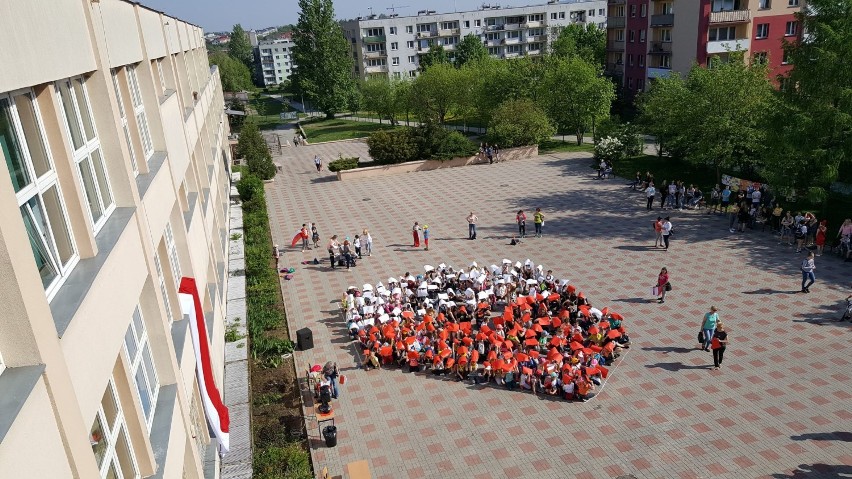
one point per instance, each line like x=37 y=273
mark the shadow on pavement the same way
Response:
x=843 y=436
x=813 y=471
x=669 y=349
x=677 y=366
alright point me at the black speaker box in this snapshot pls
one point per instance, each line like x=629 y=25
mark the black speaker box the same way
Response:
x=305 y=339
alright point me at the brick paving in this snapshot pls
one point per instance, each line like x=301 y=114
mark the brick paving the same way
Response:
x=779 y=407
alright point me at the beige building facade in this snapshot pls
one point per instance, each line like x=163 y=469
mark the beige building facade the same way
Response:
x=114 y=186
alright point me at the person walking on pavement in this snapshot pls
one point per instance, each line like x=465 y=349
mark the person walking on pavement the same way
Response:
x=521 y=218
x=426 y=237
x=415 y=232
x=662 y=282
x=318 y=163
x=471 y=226
x=718 y=344
x=708 y=327
x=808 y=276
x=538 y=219
x=650 y=193
x=667 y=231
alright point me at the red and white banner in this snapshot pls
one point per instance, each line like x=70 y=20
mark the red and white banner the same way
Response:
x=216 y=411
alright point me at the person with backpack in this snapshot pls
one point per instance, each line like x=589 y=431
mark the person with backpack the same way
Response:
x=801 y=235
x=808 y=276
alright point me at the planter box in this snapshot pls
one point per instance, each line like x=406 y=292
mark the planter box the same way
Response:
x=509 y=154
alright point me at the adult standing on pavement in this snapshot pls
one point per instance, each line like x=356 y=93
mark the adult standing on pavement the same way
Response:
x=662 y=281
x=426 y=236
x=650 y=193
x=368 y=242
x=415 y=232
x=708 y=327
x=521 y=218
x=538 y=218
x=333 y=248
x=808 y=276
x=667 y=232
x=471 y=226
x=318 y=163
x=658 y=231
x=718 y=344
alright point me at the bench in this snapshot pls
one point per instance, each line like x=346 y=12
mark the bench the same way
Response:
x=359 y=470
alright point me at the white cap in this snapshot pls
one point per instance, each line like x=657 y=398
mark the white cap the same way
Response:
x=367 y=287
x=428 y=267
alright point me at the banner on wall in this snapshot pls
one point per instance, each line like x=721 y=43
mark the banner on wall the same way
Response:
x=214 y=409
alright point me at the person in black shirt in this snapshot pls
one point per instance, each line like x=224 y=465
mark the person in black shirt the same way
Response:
x=718 y=345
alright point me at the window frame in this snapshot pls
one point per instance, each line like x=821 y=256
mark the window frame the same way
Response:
x=37 y=187
x=138 y=361
x=112 y=435
x=86 y=150
x=138 y=105
x=795 y=29
x=161 y=278
x=171 y=251
x=122 y=111
x=758 y=28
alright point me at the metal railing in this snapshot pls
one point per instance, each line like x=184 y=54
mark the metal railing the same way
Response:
x=730 y=16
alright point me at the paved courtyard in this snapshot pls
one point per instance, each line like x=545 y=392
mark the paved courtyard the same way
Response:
x=779 y=407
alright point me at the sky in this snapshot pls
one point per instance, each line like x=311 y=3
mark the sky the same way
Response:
x=221 y=15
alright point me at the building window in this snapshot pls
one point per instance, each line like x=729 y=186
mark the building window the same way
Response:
x=792 y=3
x=727 y=33
x=601 y=12
x=553 y=15
x=562 y=15
x=630 y=83
x=631 y=36
x=791 y=29
x=466 y=24
x=142 y=365
x=39 y=197
x=641 y=60
x=513 y=34
x=619 y=35
x=109 y=439
x=122 y=112
x=393 y=30
x=395 y=61
x=764 y=4
x=630 y=59
x=643 y=10
x=411 y=59
x=410 y=44
x=633 y=10
x=760 y=58
x=409 y=29
x=171 y=249
x=161 y=76
x=786 y=59
x=762 y=31
x=394 y=46
x=412 y=73
x=87 y=149
x=375 y=32
x=591 y=13
x=513 y=49
x=642 y=36
x=665 y=61
x=163 y=291
x=665 y=35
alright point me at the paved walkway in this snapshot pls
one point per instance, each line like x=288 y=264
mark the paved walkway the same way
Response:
x=780 y=403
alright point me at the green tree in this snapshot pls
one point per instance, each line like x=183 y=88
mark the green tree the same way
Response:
x=252 y=147
x=235 y=75
x=725 y=108
x=575 y=95
x=470 y=48
x=519 y=123
x=812 y=128
x=435 y=56
x=239 y=47
x=434 y=92
x=577 y=40
x=323 y=60
x=379 y=96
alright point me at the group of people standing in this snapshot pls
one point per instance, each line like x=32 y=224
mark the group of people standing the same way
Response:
x=345 y=253
x=489 y=152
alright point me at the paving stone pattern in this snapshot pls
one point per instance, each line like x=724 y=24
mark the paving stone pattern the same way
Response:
x=780 y=401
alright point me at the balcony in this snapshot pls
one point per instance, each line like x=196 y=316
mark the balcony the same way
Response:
x=730 y=16
x=511 y=41
x=617 y=2
x=374 y=39
x=615 y=46
x=659 y=72
x=616 y=22
x=426 y=34
x=376 y=69
x=493 y=43
x=663 y=20
x=512 y=26
x=615 y=68
x=723 y=46
x=531 y=24
x=660 y=48
x=448 y=32
x=379 y=54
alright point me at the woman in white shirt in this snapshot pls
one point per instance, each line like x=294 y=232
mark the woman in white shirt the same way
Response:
x=808 y=276
x=667 y=231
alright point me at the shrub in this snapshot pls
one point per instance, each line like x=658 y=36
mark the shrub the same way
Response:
x=290 y=461
x=249 y=187
x=609 y=148
x=252 y=147
x=626 y=133
x=454 y=145
x=341 y=164
x=519 y=123
x=389 y=147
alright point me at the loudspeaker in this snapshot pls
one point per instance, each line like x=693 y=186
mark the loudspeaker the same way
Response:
x=305 y=339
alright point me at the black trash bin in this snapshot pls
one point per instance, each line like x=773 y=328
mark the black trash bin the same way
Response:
x=329 y=433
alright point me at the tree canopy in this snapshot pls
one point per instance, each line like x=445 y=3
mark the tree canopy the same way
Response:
x=584 y=41
x=436 y=55
x=252 y=147
x=239 y=47
x=518 y=123
x=470 y=48
x=235 y=75
x=322 y=58
x=575 y=95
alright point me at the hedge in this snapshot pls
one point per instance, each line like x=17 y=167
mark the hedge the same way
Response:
x=342 y=164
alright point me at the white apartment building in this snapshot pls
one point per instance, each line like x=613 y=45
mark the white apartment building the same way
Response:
x=114 y=191
x=276 y=60
x=391 y=46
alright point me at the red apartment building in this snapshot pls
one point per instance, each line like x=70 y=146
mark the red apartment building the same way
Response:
x=648 y=39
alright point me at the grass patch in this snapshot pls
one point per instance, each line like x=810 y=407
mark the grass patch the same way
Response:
x=322 y=130
x=266 y=111
x=559 y=146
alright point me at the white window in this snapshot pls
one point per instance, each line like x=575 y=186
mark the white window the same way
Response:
x=467 y=23
x=729 y=33
x=142 y=365
x=394 y=46
x=37 y=191
x=513 y=34
x=641 y=60
x=760 y=58
x=161 y=76
x=764 y=4
x=139 y=112
x=562 y=15
x=395 y=61
x=762 y=30
x=411 y=59
x=477 y=23
x=410 y=44
x=513 y=49
x=171 y=248
x=791 y=29
x=591 y=13
x=665 y=34
x=393 y=30
x=665 y=61
x=163 y=291
x=792 y=3
x=619 y=35
x=409 y=29
x=412 y=73
x=553 y=16
x=124 y=126
x=642 y=35
x=601 y=12
x=87 y=149
x=643 y=10
x=109 y=439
